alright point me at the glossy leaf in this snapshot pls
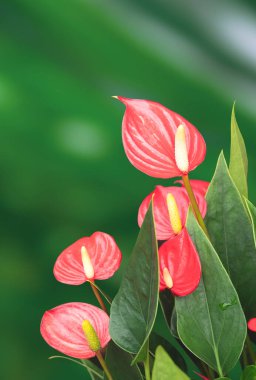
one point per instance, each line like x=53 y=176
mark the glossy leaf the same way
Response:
x=249 y=373
x=165 y=368
x=119 y=364
x=133 y=310
x=168 y=308
x=231 y=234
x=238 y=165
x=157 y=340
x=211 y=322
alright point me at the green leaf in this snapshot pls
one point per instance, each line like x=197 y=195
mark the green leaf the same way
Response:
x=133 y=310
x=252 y=213
x=168 y=308
x=231 y=234
x=249 y=373
x=223 y=378
x=211 y=322
x=238 y=165
x=119 y=364
x=165 y=368
x=95 y=372
x=157 y=340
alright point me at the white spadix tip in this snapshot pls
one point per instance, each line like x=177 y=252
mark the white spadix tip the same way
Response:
x=87 y=264
x=174 y=214
x=181 y=151
x=167 y=278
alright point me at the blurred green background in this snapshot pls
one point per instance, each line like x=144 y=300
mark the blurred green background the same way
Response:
x=63 y=170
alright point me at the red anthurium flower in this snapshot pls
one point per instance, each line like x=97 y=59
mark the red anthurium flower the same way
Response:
x=252 y=324
x=76 y=329
x=180 y=268
x=158 y=141
x=164 y=229
x=89 y=258
x=197 y=185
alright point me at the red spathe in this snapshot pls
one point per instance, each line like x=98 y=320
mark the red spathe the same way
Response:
x=161 y=215
x=104 y=254
x=148 y=132
x=61 y=328
x=180 y=257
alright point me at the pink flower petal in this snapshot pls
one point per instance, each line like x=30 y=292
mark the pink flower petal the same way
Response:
x=61 y=328
x=104 y=254
x=148 y=132
x=252 y=324
x=180 y=257
x=162 y=220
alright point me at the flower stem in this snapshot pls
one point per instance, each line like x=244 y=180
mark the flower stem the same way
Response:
x=104 y=365
x=98 y=296
x=194 y=204
x=250 y=349
x=147 y=367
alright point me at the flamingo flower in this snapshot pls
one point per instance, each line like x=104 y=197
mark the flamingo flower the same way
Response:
x=158 y=141
x=76 y=329
x=89 y=258
x=252 y=324
x=180 y=267
x=162 y=208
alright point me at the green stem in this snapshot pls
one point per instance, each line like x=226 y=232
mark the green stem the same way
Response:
x=250 y=349
x=147 y=367
x=211 y=373
x=104 y=365
x=98 y=296
x=244 y=360
x=194 y=203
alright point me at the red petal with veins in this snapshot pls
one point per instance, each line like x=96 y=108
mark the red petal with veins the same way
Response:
x=148 y=132
x=162 y=220
x=180 y=257
x=61 y=328
x=197 y=185
x=104 y=254
x=252 y=324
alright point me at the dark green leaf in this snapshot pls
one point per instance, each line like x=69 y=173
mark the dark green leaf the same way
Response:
x=223 y=378
x=168 y=308
x=231 y=234
x=157 y=340
x=119 y=364
x=249 y=373
x=165 y=368
x=133 y=310
x=238 y=165
x=212 y=332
